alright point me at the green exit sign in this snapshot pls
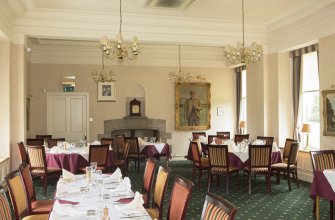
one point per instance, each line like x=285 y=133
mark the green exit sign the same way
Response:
x=68 y=88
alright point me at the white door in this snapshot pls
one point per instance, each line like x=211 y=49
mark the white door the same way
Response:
x=67 y=115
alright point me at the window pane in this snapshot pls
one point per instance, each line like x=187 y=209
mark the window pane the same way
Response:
x=310 y=72
x=311 y=107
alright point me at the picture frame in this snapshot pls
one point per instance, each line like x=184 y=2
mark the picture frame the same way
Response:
x=193 y=107
x=106 y=91
x=328 y=97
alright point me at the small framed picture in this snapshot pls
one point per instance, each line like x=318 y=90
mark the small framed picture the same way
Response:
x=106 y=92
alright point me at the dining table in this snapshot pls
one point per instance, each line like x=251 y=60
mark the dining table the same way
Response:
x=71 y=159
x=237 y=156
x=323 y=186
x=89 y=198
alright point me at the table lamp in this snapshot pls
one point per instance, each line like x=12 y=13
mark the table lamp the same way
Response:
x=306 y=128
x=242 y=127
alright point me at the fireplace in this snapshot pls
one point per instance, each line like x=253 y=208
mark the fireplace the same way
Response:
x=137 y=127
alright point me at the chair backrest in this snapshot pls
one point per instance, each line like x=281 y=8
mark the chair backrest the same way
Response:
x=119 y=141
x=218 y=139
x=160 y=189
x=240 y=137
x=148 y=179
x=216 y=207
x=5 y=211
x=23 y=153
x=287 y=147
x=180 y=195
x=196 y=135
x=108 y=141
x=35 y=142
x=36 y=155
x=134 y=147
x=218 y=156
x=225 y=134
x=195 y=153
x=28 y=184
x=260 y=156
x=293 y=154
x=44 y=136
x=53 y=142
x=126 y=151
x=268 y=140
x=99 y=154
x=323 y=159
x=18 y=194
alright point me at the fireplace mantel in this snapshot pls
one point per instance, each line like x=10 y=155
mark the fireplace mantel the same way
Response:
x=137 y=127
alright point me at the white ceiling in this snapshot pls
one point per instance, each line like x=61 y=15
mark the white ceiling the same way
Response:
x=255 y=10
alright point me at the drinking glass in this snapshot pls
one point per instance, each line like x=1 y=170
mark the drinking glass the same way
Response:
x=93 y=167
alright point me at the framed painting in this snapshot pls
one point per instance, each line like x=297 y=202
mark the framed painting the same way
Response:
x=193 y=106
x=328 y=112
x=106 y=91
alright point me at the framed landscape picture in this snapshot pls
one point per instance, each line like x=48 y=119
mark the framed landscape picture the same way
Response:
x=328 y=112
x=106 y=91
x=193 y=106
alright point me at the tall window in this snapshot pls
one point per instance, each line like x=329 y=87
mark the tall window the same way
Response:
x=243 y=110
x=311 y=97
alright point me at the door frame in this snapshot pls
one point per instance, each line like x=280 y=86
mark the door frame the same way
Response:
x=49 y=94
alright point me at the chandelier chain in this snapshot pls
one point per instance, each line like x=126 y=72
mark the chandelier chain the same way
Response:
x=243 y=20
x=120 y=27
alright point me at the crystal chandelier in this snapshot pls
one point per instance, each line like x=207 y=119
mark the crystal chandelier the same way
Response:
x=103 y=76
x=180 y=77
x=240 y=54
x=117 y=47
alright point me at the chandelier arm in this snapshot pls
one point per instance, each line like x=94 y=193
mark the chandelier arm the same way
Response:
x=102 y=60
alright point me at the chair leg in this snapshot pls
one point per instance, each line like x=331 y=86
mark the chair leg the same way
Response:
x=199 y=179
x=138 y=165
x=297 y=179
x=209 y=181
x=193 y=173
x=331 y=210
x=278 y=176
x=249 y=179
x=288 y=180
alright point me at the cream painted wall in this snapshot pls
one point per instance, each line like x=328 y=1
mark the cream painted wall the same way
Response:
x=327 y=79
x=159 y=96
x=17 y=102
x=4 y=101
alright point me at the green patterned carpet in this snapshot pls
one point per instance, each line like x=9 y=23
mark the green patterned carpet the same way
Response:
x=281 y=204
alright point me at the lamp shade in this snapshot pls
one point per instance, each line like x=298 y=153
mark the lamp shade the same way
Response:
x=306 y=128
x=242 y=124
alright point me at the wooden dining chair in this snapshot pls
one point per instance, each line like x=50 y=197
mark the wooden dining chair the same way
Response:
x=122 y=162
x=199 y=163
x=156 y=210
x=268 y=140
x=134 y=151
x=44 y=136
x=109 y=141
x=180 y=196
x=38 y=165
x=53 y=142
x=99 y=154
x=148 y=180
x=240 y=137
x=19 y=198
x=120 y=144
x=23 y=153
x=289 y=167
x=225 y=134
x=35 y=142
x=34 y=206
x=218 y=139
x=219 y=164
x=197 y=134
x=287 y=148
x=216 y=207
x=5 y=209
x=259 y=163
x=323 y=160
